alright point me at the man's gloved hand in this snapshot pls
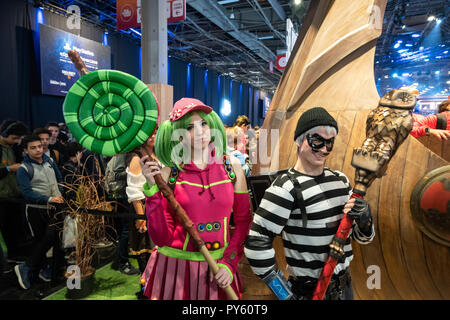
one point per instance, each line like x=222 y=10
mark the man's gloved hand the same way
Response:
x=360 y=212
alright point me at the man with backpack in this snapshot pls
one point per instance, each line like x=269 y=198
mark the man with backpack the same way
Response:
x=38 y=179
x=305 y=205
x=115 y=188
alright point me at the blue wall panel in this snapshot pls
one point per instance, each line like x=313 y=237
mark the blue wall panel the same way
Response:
x=212 y=97
x=198 y=82
x=178 y=72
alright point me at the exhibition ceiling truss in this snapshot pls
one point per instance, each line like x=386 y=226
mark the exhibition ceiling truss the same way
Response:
x=415 y=19
x=238 y=37
x=414 y=47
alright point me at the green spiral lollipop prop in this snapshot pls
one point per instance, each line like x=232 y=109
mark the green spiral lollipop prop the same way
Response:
x=110 y=112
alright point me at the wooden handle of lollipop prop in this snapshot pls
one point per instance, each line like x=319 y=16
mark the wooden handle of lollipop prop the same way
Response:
x=78 y=62
x=98 y=136
x=189 y=226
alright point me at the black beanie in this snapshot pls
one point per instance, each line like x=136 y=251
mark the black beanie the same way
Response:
x=313 y=118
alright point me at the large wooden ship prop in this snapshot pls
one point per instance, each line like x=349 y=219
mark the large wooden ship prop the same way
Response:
x=332 y=66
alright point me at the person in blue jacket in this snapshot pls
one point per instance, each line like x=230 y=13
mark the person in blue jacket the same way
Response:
x=38 y=178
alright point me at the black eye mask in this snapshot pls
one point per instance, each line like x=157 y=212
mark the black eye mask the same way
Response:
x=316 y=142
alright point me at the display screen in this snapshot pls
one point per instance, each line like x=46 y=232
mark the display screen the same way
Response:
x=58 y=73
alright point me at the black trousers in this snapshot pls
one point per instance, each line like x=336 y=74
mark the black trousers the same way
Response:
x=140 y=244
x=340 y=287
x=13 y=226
x=45 y=226
x=122 y=226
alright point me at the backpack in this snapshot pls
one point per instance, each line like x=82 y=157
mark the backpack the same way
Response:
x=30 y=169
x=115 y=181
x=9 y=188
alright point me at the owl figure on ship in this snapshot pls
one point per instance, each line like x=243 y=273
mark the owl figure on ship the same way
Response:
x=387 y=126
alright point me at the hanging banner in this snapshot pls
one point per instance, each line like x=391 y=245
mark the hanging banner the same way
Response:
x=128 y=13
x=281 y=61
x=176 y=10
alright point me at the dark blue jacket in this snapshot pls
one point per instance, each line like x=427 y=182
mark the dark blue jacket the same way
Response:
x=25 y=183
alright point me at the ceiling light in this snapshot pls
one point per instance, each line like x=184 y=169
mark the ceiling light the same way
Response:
x=226 y=107
x=265 y=38
x=135 y=31
x=431 y=18
x=297 y=2
x=227 y=1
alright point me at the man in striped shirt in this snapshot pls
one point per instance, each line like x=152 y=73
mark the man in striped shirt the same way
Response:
x=305 y=205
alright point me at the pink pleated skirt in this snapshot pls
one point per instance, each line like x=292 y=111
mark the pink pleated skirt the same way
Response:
x=168 y=278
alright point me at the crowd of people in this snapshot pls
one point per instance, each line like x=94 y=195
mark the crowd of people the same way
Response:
x=36 y=166
x=37 y=176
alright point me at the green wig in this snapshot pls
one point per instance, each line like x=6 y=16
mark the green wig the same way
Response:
x=165 y=146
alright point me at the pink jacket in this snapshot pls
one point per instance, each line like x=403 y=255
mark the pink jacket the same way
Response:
x=208 y=198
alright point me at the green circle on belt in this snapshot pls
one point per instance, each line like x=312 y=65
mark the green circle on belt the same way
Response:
x=110 y=112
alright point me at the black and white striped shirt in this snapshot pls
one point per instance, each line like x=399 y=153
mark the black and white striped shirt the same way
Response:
x=306 y=248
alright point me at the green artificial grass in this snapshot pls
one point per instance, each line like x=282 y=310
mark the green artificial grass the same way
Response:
x=110 y=284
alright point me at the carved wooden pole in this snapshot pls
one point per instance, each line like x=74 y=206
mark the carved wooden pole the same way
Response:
x=387 y=127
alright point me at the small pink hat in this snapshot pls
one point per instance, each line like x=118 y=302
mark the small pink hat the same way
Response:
x=186 y=105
